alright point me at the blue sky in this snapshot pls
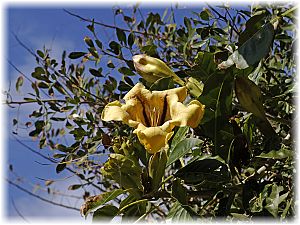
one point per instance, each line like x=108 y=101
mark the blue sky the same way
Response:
x=52 y=27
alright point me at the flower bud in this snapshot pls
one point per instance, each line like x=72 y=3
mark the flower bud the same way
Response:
x=153 y=69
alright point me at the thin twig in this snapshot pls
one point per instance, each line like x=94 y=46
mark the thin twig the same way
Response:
x=54 y=70
x=41 y=198
x=110 y=26
x=54 y=161
x=18 y=212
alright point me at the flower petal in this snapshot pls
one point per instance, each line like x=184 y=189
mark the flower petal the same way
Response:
x=114 y=111
x=154 y=138
x=189 y=115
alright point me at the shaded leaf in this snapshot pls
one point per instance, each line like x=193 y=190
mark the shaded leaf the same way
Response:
x=76 y=55
x=157 y=165
x=19 y=83
x=60 y=167
x=96 y=73
x=277 y=154
x=179 y=214
x=208 y=169
x=74 y=187
x=121 y=35
x=126 y=71
x=94 y=202
x=252 y=50
x=105 y=213
x=179 y=192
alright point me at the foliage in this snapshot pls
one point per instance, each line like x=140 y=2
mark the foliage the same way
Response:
x=228 y=166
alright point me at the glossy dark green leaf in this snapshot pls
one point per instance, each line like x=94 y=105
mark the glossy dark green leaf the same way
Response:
x=252 y=26
x=131 y=39
x=76 y=55
x=124 y=86
x=121 y=35
x=96 y=73
x=209 y=169
x=149 y=50
x=253 y=50
x=183 y=148
x=89 y=42
x=99 y=44
x=115 y=47
x=217 y=98
x=126 y=71
x=179 y=192
x=60 y=167
x=179 y=136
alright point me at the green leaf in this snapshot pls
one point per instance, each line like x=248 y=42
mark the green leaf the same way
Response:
x=115 y=47
x=121 y=35
x=204 y=15
x=252 y=26
x=19 y=83
x=131 y=39
x=43 y=85
x=183 y=148
x=110 y=64
x=76 y=55
x=60 y=166
x=89 y=42
x=279 y=154
x=149 y=50
x=274 y=199
x=124 y=86
x=161 y=84
x=217 y=98
x=179 y=136
x=126 y=71
x=252 y=50
x=180 y=214
x=74 y=187
x=105 y=213
x=179 y=192
x=99 y=44
x=94 y=202
x=40 y=53
x=130 y=207
x=208 y=169
x=125 y=170
x=96 y=73
x=59 y=88
x=205 y=66
x=157 y=165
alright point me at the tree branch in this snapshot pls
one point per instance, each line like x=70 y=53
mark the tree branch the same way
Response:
x=111 y=26
x=41 y=198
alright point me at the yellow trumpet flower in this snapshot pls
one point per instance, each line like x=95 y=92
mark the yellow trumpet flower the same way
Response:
x=154 y=114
